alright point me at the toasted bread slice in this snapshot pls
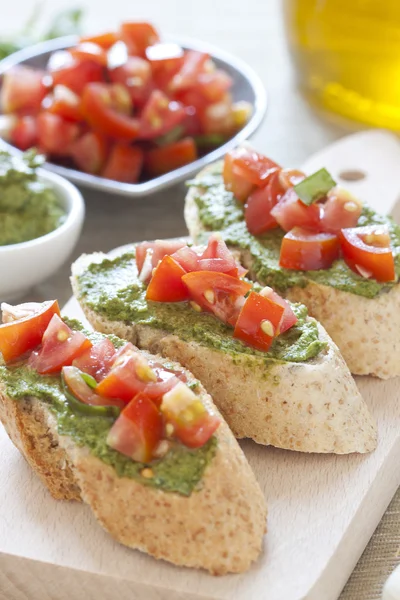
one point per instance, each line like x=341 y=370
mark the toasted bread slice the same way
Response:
x=366 y=331
x=220 y=527
x=309 y=407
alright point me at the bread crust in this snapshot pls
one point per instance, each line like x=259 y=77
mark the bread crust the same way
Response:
x=219 y=528
x=309 y=407
x=366 y=330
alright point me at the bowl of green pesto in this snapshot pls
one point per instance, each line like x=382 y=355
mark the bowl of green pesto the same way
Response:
x=41 y=217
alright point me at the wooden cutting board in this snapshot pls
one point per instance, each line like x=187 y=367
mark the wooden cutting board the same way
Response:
x=322 y=509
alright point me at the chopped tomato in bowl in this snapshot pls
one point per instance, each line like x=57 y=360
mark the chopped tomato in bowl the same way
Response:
x=177 y=94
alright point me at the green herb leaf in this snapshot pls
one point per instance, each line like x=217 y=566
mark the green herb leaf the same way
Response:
x=210 y=139
x=171 y=136
x=314 y=187
x=89 y=380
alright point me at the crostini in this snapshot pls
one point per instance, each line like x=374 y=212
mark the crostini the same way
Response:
x=315 y=243
x=273 y=371
x=134 y=436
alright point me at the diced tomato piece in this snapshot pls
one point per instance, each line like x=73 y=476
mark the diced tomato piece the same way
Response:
x=217 y=254
x=289 y=318
x=89 y=152
x=24 y=133
x=72 y=73
x=160 y=115
x=340 y=211
x=259 y=204
x=138 y=36
x=170 y=157
x=63 y=102
x=262 y=200
x=187 y=258
x=22 y=90
x=24 y=334
x=89 y=51
x=104 y=40
x=291 y=212
x=55 y=135
x=83 y=392
x=97 y=360
x=195 y=100
x=252 y=166
x=60 y=345
x=103 y=106
x=165 y=59
x=368 y=252
x=135 y=75
x=217 y=293
x=157 y=249
x=306 y=250
x=259 y=321
x=188 y=75
x=214 y=85
x=131 y=373
x=124 y=163
x=218 y=117
x=193 y=424
x=239 y=186
x=138 y=430
x=166 y=283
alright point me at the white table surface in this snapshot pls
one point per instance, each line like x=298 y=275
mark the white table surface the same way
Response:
x=292 y=130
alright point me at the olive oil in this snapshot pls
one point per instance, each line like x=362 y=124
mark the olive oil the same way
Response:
x=347 y=56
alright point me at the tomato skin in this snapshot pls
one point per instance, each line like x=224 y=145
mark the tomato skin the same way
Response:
x=124 y=163
x=131 y=373
x=227 y=291
x=239 y=186
x=22 y=90
x=138 y=430
x=135 y=75
x=104 y=40
x=60 y=346
x=83 y=392
x=187 y=76
x=160 y=115
x=159 y=249
x=214 y=85
x=257 y=211
x=54 y=134
x=97 y=360
x=165 y=61
x=24 y=133
x=336 y=215
x=102 y=117
x=89 y=51
x=306 y=250
x=89 y=152
x=138 y=36
x=255 y=310
x=217 y=257
x=18 y=337
x=290 y=212
x=376 y=259
x=187 y=258
x=77 y=74
x=252 y=166
x=170 y=157
x=64 y=103
x=166 y=283
x=289 y=318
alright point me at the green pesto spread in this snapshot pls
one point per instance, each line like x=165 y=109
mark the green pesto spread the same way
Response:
x=180 y=470
x=112 y=288
x=28 y=208
x=220 y=211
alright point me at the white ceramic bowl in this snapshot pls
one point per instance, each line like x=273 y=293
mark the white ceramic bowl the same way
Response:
x=26 y=264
